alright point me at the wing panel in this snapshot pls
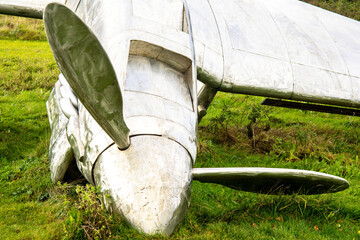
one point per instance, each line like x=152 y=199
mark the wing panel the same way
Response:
x=252 y=29
x=288 y=49
x=251 y=73
x=325 y=85
x=346 y=33
x=307 y=40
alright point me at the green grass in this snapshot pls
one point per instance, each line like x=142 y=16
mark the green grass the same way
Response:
x=349 y=8
x=237 y=132
x=21 y=28
x=26 y=65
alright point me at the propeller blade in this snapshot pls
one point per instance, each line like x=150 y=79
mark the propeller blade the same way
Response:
x=272 y=180
x=87 y=68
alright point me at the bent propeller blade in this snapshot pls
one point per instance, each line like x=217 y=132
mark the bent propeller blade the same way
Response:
x=87 y=68
x=272 y=180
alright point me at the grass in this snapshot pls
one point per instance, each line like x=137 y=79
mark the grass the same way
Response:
x=349 y=8
x=21 y=28
x=237 y=132
x=26 y=65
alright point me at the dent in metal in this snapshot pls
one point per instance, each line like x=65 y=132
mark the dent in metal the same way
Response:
x=60 y=151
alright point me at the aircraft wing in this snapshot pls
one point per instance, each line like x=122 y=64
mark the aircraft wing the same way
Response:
x=25 y=8
x=279 y=48
x=272 y=180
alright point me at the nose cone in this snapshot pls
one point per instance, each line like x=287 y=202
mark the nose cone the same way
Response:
x=149 y=183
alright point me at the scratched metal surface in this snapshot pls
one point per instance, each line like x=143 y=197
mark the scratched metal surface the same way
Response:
x=272 y=180
x=163 y=107
x=150 y=183
x=88 y=70
x=279 y=48
x=157 y=85
x=60 y=150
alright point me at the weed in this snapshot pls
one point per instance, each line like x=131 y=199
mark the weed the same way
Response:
x=87 y=217
x=222 y=125
x=21 y=28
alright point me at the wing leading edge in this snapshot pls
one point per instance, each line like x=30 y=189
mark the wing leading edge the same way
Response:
x=25 y=8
